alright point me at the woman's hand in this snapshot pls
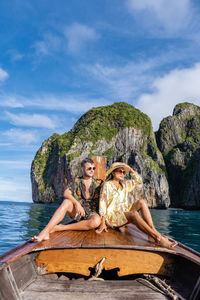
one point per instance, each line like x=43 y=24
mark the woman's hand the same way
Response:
x=127 y=166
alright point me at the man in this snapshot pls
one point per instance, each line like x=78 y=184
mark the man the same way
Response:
x=81 y=201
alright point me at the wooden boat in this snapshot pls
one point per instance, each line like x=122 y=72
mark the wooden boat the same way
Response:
x=44 y=270
x=132 y=268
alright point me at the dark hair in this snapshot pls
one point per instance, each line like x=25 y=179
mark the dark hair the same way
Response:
x=85 y=161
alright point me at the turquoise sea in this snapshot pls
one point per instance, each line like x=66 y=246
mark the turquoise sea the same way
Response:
x=20 y=221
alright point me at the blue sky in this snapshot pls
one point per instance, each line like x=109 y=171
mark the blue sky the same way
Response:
x=61 y=58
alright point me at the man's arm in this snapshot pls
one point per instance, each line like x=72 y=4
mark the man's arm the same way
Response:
x=78 y=207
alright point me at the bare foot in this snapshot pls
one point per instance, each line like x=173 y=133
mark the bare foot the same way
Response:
x=43 y=236
x=165 y=242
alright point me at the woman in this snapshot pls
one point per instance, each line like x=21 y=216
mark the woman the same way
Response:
x=116 y=209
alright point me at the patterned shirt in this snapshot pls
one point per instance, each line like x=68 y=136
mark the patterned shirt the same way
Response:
x=78 y=190
x=114 y=202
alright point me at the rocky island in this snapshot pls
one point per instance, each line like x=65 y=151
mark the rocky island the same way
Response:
x=178 y=138
x=123 y=133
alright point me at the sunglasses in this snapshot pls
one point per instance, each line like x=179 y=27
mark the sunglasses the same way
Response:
x=91 y=168
x=121 y=171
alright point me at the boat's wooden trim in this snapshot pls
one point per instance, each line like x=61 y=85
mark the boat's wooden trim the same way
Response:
x=127 y=261
x=196 y=291
x=16 y=253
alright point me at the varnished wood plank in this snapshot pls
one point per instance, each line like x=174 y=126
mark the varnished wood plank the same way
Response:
x=80 y=260
x=63 y=239
x=93 y=239
x=115 y=238
x=134 y=238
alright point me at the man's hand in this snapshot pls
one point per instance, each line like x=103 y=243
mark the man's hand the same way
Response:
x=79 y=210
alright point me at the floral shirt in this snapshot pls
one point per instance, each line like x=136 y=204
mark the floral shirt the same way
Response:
x=78 y=189
x=114 y=202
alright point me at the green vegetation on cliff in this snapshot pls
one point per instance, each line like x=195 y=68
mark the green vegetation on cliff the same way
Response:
x=106 y=121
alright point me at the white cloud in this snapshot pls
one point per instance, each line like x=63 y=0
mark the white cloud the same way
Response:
x=180 y=85
x=21 y=136
x=15 y=55
x=123 y=82
x=78 y=36
x=11 y=101
x=48 y=45
x=15 y=189
x=34 y=120
x=72 y=103
x=3 y=75
x=172 y=16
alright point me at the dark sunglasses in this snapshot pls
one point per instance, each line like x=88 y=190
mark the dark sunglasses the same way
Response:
x=91 y=168
x=121 y=171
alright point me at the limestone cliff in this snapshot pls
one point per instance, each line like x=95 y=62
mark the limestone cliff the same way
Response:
x=118 y=131
x=178 y=139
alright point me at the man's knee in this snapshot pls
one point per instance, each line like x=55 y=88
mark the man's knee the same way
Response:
x=67 y=205
x=94 y=221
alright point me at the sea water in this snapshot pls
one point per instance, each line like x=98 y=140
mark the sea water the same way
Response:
x=19 y=221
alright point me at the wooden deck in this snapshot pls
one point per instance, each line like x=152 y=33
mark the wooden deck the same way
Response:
x=87 y=290
x=127 y=237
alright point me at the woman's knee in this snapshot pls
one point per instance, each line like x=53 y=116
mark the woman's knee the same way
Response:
x=141 y=202
x=94 y=221
x=132 y=216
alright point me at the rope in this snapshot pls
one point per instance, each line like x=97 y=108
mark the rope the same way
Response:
x=161 y=287
x=98 y=270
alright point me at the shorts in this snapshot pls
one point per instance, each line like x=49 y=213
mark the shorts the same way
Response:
x=87 y=216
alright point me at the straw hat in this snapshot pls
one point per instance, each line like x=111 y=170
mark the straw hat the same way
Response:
x=118 y=165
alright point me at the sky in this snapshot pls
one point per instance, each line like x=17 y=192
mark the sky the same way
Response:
x=61 y=58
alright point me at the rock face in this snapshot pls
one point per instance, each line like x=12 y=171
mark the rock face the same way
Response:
x=120 y=132
x=178 y=138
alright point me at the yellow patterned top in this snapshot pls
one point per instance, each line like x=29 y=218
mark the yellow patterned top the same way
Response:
x=114 y=202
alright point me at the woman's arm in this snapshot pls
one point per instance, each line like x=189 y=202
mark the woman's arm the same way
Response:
x=136 y=180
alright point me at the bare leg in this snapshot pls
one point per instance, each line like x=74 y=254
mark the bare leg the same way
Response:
x=142 y=206
x=92 y=222
x=145 y=223
x=66 y=207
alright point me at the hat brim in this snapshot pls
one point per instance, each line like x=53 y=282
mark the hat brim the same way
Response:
x=126 y=169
